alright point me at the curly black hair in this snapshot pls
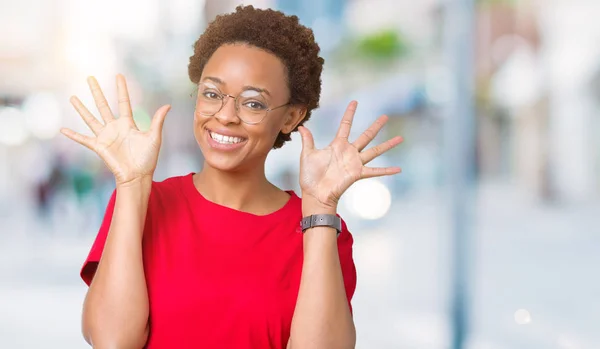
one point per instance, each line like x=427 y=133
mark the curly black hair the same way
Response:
x=274 y=32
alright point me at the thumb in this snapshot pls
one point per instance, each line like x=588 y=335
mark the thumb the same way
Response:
x=308 y=142
x=158 y=120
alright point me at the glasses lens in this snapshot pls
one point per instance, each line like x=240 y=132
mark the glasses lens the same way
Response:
x=252 y=106
x=209 y=101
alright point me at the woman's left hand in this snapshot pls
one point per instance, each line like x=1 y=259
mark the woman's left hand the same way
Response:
x=325 y=174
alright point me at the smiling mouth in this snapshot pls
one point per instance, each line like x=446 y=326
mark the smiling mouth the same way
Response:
x=222 y=139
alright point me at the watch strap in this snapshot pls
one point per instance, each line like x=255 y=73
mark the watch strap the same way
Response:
x=322 y=220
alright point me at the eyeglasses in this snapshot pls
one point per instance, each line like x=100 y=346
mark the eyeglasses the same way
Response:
x=250 y=106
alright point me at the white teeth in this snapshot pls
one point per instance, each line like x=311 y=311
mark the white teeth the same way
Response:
x=225 y=139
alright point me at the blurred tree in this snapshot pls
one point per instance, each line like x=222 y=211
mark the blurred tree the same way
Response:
x=376 y=51
x=386 y=44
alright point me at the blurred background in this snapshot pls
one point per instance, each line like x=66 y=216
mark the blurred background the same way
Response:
x=488 y=239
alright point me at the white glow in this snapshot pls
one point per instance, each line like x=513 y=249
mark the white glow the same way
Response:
x=90 y=57
x=128 y=20
x=184 y=15
x=12 y=127
x=522 y=317
x=368 y=199
x=518 y=82
x=135 y=20
x=565 y=341
x=88 y=47
x=377 y=253
x=42 y=115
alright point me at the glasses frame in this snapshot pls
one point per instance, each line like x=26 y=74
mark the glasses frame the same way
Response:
x=237 y=110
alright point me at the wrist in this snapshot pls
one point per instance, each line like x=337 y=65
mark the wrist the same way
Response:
x=142 y=184
x=311 y=206
x=137 y=182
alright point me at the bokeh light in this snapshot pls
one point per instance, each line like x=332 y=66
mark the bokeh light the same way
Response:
x=369 y=199
x=42 y=114
x=13 y=130
x=522 y=317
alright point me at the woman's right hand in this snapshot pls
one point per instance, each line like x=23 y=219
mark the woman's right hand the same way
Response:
x=130 y=154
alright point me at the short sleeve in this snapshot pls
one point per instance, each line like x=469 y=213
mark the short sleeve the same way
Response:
x=91 y=263
x=345 y=242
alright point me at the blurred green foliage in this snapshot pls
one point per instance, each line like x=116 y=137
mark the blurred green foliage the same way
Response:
x=382 y=45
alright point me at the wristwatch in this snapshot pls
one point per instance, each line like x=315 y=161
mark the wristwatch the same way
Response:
x=322 y=220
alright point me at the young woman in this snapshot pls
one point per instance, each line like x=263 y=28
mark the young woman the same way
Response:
x=222 y=258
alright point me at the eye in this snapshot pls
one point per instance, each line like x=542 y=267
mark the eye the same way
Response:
x=254 y=105
x=211 y=95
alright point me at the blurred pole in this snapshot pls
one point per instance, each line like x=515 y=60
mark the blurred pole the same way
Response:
x=460 y=147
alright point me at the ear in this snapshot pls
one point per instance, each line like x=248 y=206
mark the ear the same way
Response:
x=294 y=117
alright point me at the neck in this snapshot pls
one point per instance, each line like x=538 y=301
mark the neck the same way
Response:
x=237 y=190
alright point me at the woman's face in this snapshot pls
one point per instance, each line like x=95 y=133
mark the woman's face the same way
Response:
x=259 y=78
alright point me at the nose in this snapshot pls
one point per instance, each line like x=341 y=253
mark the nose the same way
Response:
x=228 y=113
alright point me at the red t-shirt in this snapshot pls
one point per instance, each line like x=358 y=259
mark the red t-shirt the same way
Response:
x=217 y=277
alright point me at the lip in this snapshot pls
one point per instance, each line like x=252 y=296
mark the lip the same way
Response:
x=223 y=147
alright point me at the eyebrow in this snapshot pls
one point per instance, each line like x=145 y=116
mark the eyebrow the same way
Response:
x=245 y=88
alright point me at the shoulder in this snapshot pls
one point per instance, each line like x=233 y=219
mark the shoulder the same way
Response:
x=172 y=186
x=169 y=193
x=172 y=183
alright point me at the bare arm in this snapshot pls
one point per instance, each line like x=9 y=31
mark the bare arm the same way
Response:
x=322 y=318
x=115 y=311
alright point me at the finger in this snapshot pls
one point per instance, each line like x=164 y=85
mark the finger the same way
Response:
x=79 y=138
x=346 y=123
x=158 y=120
x=370 y=154
x=123 y=95
x=100 y=100
x=366 y=137
x=85 y=114
x=308 y=142
x=370 y=172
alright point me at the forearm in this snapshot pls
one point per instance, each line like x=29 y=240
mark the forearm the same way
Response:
x=116 y=310
x=322 y=318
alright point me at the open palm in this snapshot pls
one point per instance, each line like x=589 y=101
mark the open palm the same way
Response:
x=129 y=153
x=325 y=174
